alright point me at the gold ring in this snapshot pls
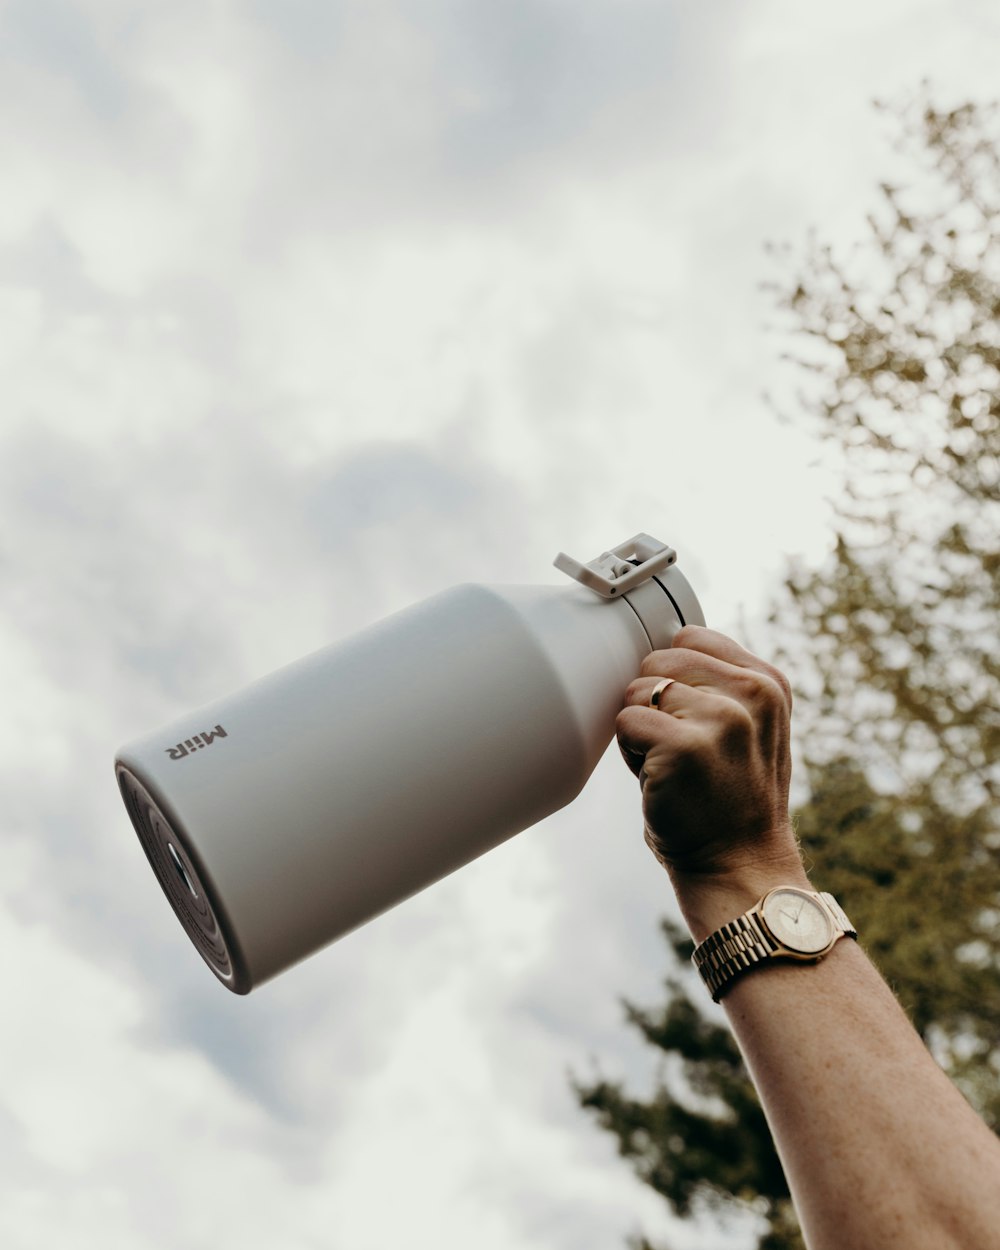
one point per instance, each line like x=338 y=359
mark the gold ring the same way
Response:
x=657 y=692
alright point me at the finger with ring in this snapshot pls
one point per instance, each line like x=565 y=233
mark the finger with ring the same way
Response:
x=656 y=694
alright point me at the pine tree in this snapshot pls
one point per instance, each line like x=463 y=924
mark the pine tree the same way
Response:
x=893 y=651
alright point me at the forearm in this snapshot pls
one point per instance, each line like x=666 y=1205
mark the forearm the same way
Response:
x=879 y=1148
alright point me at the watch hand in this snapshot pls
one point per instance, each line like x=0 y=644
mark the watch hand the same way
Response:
x=793 y=919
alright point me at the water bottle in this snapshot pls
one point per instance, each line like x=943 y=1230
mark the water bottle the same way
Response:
x=283 y=816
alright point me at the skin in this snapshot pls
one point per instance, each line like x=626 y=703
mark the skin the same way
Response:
x=879 y=1148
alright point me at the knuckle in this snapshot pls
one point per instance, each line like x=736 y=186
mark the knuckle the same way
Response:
x=766 y=691
x=784 y=685
x=691 y=749
x=738 y=721
x=757 y=687
x=775 y=682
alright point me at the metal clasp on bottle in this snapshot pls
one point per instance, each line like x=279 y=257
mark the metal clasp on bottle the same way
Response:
x=621 y=569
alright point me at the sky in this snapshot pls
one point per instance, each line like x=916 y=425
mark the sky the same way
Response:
x=307 y=311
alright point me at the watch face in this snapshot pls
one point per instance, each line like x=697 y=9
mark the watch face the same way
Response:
x=798 y=921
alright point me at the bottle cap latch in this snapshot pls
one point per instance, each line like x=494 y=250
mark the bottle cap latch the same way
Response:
x=623 y=568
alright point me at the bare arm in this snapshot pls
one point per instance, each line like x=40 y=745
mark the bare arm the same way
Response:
x=879 y=1148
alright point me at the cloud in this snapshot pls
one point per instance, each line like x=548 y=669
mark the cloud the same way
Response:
x=56 y=39
x=307 y=311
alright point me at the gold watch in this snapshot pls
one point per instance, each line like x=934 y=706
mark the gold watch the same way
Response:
x=786 y=923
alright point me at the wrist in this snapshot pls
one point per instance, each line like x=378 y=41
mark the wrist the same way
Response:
x=709 y=900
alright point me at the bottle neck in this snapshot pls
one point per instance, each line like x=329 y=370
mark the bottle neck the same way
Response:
x=663 y=605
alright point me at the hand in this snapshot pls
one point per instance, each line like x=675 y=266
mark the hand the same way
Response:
x=714 y=764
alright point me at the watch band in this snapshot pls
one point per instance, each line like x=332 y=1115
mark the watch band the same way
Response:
x=839 y=916
x=745 y=942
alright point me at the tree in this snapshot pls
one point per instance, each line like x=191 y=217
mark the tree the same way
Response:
x=892 y=647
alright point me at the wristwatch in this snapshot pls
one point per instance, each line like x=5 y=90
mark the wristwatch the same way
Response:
x=786 y=923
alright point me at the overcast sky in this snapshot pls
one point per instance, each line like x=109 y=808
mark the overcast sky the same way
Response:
x=308 y=310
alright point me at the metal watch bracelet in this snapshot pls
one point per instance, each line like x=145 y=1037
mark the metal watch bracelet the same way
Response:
x=745 y=942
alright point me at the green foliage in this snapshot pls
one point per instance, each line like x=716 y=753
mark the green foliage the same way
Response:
x=892 y=648
x=701 y=1142
x=924 y=898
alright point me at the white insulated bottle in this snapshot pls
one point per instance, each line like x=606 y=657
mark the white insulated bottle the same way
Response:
x=281 y=817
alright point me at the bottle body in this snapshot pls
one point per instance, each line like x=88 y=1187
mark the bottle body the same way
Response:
x=285 y=815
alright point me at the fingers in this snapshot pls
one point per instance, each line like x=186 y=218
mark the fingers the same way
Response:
x=686 y=721
x=705 y=659
x=712 y=755
x=678 y=698
x=641 y=730
x=720 y=696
